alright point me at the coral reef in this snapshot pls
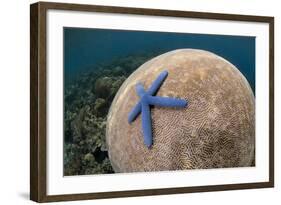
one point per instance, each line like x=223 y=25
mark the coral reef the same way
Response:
x=86 y=103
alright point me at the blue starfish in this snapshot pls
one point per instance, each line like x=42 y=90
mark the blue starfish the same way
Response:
x=147 y=98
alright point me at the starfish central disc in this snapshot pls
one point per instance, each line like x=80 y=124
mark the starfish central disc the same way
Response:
x=147 y=99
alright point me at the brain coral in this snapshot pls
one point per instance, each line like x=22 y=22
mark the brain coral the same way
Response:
x=216 y=129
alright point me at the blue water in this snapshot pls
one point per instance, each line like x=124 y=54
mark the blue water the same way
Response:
x=85 y=48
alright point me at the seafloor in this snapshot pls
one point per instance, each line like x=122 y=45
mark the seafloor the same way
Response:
x=87 y=99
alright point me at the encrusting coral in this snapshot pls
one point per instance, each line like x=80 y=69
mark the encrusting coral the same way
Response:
x=86 y=103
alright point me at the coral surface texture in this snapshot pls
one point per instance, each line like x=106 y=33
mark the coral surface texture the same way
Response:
x=215 y=130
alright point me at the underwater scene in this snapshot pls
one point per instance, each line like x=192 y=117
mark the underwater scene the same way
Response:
x=96 y=64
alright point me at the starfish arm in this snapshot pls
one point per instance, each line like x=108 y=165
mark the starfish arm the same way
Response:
x=146 y=124
x=166 y=101
x=140 y=89
x=157 y=83
x=134 y=112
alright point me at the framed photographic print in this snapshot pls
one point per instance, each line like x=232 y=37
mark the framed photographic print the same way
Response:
x=134 y=102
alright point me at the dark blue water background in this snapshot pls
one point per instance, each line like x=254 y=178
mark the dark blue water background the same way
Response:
x=85 y=48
